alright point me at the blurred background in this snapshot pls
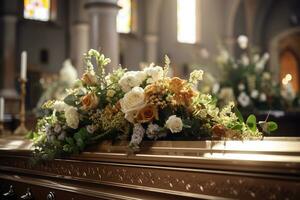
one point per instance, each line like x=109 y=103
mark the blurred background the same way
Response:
x=249 y=49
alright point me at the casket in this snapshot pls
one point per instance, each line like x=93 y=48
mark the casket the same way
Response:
x=267 y=169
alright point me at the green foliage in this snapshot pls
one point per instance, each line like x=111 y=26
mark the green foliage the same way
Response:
x=251 y=122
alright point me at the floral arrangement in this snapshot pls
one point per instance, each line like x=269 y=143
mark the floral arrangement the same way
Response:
x=55 y=86
x=247 y=81
x=136 y=106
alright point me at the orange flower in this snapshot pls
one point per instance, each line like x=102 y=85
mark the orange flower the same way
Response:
x=89 y=101
x=176 y=85
x=147 y=114
x=218 y=131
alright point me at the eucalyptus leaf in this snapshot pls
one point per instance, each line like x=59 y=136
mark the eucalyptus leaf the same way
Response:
x=272 y=126
x=70 y=100
x=251 y=122
x=238 y=114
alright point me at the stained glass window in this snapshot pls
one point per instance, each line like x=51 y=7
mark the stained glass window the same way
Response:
x=124 y=16
x=37 y=10
x=186 y=21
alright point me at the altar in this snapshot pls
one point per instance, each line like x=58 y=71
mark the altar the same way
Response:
x=267 y=169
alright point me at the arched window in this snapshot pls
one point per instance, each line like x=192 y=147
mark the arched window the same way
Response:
x=289 y=69
x=124 y=18
x=186 y=21
x=37 y=10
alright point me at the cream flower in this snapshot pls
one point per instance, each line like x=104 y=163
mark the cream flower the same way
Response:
x=132 y=79
x=89 y=78
x=263 y=97
x=174 y=124
x=154 y=73
x=195 y=76
x=132 y=101
x=72 y=117
x=60 y=106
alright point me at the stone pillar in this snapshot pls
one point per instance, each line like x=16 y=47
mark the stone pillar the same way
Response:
x=103 y=28
x=151 y=48
x=153 y=8
x=8 y=74
x=79 y=45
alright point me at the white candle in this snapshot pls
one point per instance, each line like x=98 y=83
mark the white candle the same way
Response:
x=23 y=65
x=1 y=109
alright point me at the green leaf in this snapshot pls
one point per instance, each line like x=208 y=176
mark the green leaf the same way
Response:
x=238 y=114
x=272 y=126
x=251 y=122
x=70 y=100
x=237 y=127
x=70 y=141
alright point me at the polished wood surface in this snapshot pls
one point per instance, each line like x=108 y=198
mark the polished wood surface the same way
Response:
x=267 y=169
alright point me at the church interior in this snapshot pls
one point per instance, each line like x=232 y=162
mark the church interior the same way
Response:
x=149 y=99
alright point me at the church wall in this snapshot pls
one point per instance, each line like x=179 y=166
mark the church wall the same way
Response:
x=212 y=30
x=34 y=36
x=132 y=45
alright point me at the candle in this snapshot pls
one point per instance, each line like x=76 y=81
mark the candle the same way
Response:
x=23 y=65
x=1 y=109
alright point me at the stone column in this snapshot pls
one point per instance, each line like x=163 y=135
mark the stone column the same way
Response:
x=152 y=22
x=79 y=45
x=79 y=29
x=103 y=28
x=8 y=75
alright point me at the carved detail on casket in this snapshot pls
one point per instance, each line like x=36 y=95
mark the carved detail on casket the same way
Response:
x=181 y=181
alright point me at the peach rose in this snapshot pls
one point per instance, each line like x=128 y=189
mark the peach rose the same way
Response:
x=147 y=114
x=89 y=78
x=90 y=101
x=176 y=84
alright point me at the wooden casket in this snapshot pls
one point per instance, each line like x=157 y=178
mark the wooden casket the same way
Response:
x=267 y=169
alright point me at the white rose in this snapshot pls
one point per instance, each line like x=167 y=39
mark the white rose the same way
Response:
x=72 y=117
x=132 y=79
x=133 y=100
x=155 y=73
x=60 y=106
x=174 y=124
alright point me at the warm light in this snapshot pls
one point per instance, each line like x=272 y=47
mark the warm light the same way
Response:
x=124 y=16
x=37 y=10
x=286 y=79
x=186 y=21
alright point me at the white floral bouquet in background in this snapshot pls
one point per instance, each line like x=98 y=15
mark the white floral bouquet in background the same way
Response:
x=248 y=82
x=55 y=86
x=136 y=106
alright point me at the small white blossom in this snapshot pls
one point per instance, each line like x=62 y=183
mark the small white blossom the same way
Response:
x=254 y=94
x=154 y=73
x=60 y=106
x=132 y=79
x=263 y=97
x=242 y=41
x=174 y=123
x=137 y=135
x=241 y=87
x=195 y=76
x=244 y=99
